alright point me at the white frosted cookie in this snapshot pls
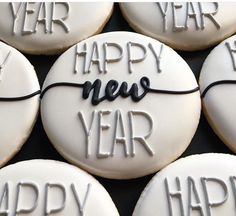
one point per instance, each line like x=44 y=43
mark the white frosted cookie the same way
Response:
x=19 y=101
x=120 y=105
x=217 y=83
x=196 y=185
x=51 y=27
x=185 y=26
x=46 y=187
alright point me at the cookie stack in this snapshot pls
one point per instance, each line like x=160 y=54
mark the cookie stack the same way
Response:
x=121 y=105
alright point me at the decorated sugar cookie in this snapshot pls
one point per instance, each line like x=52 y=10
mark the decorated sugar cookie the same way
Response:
x=184 y=26
x=217 y=83
x=51 y=27
x=196 y=185
x=61 y=189
x=19 y=101
x=120 y=105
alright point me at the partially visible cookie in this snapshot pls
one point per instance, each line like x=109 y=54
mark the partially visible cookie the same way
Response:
x=19 y=101
x=196 y=185
x=218 y=88
x=46 y=187
x=51 y=27
x=120 y=105
x=185 y=26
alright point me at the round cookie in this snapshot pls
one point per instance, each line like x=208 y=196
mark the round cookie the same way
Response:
x=51 y=27
x=185 y=26
x=19 y=101
x=120 y=105
x=217 y=83
x=61 y=189
x=196 y=185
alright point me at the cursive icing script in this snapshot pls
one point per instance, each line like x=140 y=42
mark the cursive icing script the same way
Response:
x=112 y=90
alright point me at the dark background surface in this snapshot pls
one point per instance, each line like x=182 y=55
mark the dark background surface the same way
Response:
x=124 y=193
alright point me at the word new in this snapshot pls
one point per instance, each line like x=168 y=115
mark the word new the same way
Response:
x=11 y=198
x=28 y=15
x=194 y=11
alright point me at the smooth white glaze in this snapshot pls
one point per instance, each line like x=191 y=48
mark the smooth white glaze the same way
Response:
x=184 y=26
x=17 y=79
x=219 y=101
x=200 y=184
x=47 y=187
x=49 y=28
x=147 y=134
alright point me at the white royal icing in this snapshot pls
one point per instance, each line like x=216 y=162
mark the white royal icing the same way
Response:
x=50 y=27
x=219 y=101
x=45 y=187
x=120 y=136
x=186 y=25
x=196 y=185
x=18 y=107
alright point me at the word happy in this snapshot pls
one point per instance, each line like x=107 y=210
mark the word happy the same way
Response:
x=99 y=56
x=195 y=11
x=28 y=15
x=13 y=196
x=201 y=195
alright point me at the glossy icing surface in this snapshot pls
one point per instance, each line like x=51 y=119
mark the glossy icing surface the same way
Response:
x=196 y=185
x=49 y=27
x=60 y=189
x=107 y=105
x=184 y=26
x=217 y=82
x=19 y=100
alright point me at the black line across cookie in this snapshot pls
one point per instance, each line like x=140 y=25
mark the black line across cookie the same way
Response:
x=218 y=90
x=120 y=105
x=19 y=101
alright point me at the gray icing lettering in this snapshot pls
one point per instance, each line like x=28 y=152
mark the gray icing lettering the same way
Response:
x=111 y=60
x=42 y=11
x=163 y=13
x=5 y=196
x=101 y=128
x=209 y=203
x=15 y=14
x=209 y=15
x=60 y=21
x=174 y=194
x=157 y=57
x=87 y=130
x=119 y=139
x=81 y=204
x=27 y=11
x=192 y=191
x=191 y=13
x=40 y=15
x=132 y=60
x=176 y=27
x=35 y=189
x=3 y=64
x=82 y=53
x=232 y=51
x=140 y=139
x=233 y=186
x=49 y=210
x=95 y=58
